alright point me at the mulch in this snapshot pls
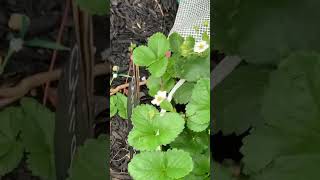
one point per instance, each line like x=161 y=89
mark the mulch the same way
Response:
x=132 y=21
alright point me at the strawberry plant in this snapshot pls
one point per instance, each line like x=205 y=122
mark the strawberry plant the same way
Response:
x=118 y=104
x=173 y=142
x=29 y=129
x=17 y=42
x=91 y=160
x=274 y=93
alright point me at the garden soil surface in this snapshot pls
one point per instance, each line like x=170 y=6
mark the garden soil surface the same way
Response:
x=132 y=21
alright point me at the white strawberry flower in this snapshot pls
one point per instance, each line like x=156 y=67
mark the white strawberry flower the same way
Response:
x=115 y=68
x=159 y=97
x=114 y=75
x=201 y=46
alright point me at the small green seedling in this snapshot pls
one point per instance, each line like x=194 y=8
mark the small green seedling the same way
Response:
x=18 y=42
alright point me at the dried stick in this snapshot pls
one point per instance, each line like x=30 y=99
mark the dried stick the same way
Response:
x=11 y=94
x=123 y=86
x=55 y=52
x=159 y=6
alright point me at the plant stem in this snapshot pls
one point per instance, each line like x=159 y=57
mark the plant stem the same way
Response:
x=173 y=90
x=5 y=62
x=111 y=81
x=55 y=52
x=124 y=75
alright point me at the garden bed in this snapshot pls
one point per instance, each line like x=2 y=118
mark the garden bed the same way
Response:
x=132 y=21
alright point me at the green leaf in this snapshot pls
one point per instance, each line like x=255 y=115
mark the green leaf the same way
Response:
x=275 y=143
x=194 y=143
x=45 y=44
x=153 y=56
x=11 y=149
x=169 y=165
x=166 y=105
x=90 y=161
x=113 y=105
x=201 y=164
x=187 y=46
x=194 y=68
x=183 y=94
x=24 y=26
x=198 y=110
x=175 y=42
x=10 y=160
x=179 y=163
x=192 y=176
x=38 y=136
x=206 y=37
x=238 y=99
x=292 y=168
x=118 y=104
x=151 y=130
x=293 y=94
x=143 y=56
x=265 y=32
x=94 y=7
x=143 y=115
x=222 y=173
x=290 y=138
x=153 y=84
x=167 y=82
x=158 y=68
x=122 y=105
x=173 y=68
x=159 y=44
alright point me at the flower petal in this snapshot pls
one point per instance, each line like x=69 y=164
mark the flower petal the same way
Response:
x=162 y=94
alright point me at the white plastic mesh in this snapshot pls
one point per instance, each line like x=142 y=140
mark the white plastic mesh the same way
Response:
x=192 y=13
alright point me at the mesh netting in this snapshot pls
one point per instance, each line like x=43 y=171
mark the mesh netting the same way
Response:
x=192 y=13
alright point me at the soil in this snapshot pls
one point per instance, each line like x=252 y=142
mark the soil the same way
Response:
x=46 y=16
x=132 y=21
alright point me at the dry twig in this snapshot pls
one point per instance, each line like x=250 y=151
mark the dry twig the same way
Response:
x=161 y=11
x=11 y=94
x=123 y=86
x=55 y=52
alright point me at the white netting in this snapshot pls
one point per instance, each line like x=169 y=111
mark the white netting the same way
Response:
x=192 y=13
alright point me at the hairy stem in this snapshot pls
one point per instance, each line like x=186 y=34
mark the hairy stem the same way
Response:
x=173 y=90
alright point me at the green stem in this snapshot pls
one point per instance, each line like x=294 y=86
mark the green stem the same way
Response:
x=111 y=81
x=6 y=60
x=124 y=75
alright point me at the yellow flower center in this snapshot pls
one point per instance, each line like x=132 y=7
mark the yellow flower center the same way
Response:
x=159 y=98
